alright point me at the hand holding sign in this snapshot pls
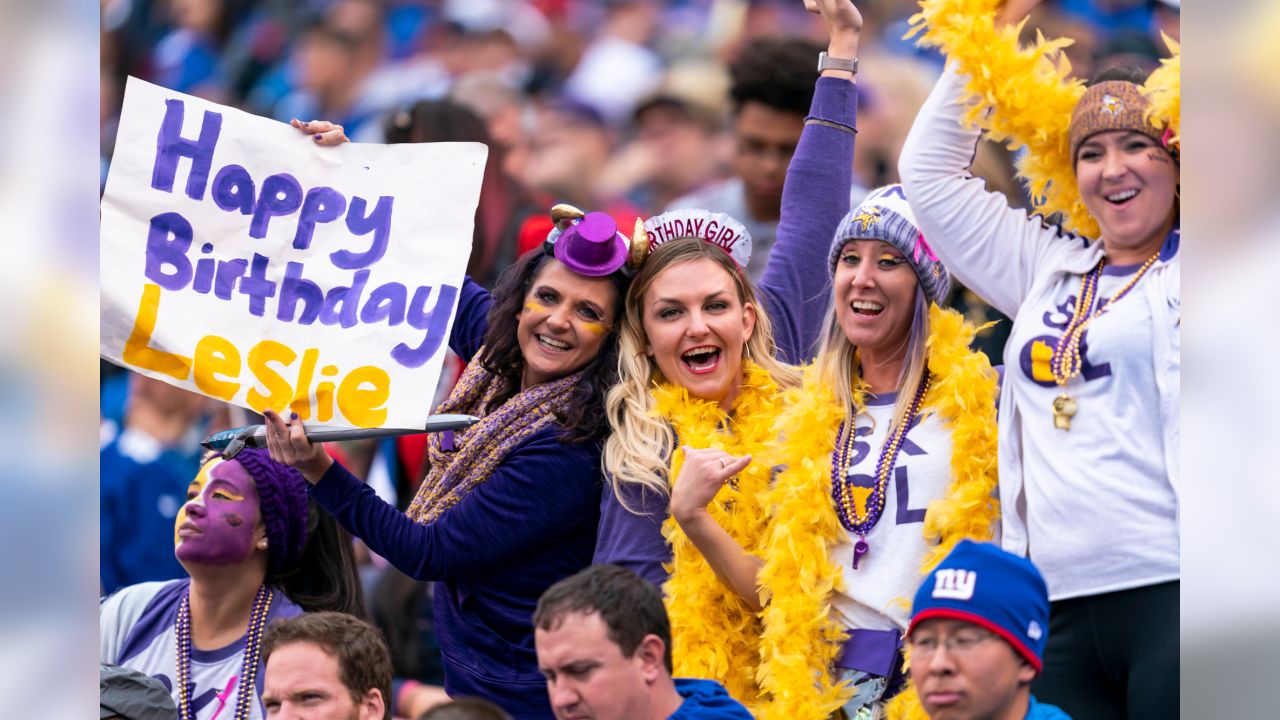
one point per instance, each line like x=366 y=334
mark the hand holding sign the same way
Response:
x=322 y=131
x=287 y=442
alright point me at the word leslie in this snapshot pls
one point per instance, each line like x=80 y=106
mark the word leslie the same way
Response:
x=360 y=395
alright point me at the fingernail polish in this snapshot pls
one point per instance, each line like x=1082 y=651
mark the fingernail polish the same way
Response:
x=293 y=416
x=318 y=136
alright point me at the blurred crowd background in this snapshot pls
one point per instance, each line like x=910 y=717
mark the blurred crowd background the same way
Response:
x=624 y=106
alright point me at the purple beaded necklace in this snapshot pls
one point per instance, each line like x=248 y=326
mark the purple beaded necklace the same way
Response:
x=842 y=486
x=248 y=666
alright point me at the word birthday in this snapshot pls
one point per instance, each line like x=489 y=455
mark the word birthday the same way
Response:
x=172 y=262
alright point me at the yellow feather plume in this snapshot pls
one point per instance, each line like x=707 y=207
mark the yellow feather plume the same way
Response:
x=714 y=633
x=1164 y=89
x=1028 y=88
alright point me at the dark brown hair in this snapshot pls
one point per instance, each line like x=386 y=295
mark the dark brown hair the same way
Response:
x=363 y=660
x=630 y=606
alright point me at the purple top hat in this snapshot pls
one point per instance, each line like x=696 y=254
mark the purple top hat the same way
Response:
x=593 y=247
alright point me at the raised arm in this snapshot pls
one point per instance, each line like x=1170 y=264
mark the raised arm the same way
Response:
x=796 y=288
x=990 y=247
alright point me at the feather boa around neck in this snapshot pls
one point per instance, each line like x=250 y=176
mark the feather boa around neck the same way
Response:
x=801 y=638
x=1032 y=95
x=715 y=635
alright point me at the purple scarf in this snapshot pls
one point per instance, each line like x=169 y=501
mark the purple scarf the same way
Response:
x=459 y=465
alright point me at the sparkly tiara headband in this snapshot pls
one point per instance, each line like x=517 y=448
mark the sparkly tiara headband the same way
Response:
x=715 y=228
x=1005 y=77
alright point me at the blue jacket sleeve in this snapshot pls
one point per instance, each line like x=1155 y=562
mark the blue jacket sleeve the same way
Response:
x=472 y=320
x=796 y=287
x=523 y=507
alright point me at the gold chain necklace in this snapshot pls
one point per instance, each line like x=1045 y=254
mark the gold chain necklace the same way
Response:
x=1066 y=361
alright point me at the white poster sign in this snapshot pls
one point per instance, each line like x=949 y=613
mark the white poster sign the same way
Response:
x=242 y=261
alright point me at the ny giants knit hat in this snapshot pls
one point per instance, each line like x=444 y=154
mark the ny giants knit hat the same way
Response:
x=282 y=501
x=984 y=585
x=885 y=215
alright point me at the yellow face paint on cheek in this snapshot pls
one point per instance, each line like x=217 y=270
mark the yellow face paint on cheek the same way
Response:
x=595 y=328
x=535 y=306
x=198 y=485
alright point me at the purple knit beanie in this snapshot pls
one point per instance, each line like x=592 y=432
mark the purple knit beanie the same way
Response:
x=282 y=501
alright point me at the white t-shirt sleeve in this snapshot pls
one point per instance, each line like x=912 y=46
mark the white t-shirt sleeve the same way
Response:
x=990 y=247
x=118 y=614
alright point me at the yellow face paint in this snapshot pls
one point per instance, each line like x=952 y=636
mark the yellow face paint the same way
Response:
x=535 y=306
x=202 y=479
x=595 y=328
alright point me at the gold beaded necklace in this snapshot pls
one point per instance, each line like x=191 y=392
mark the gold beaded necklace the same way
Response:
x=1066 y=361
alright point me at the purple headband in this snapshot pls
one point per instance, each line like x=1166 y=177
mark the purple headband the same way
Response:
x=282 y=501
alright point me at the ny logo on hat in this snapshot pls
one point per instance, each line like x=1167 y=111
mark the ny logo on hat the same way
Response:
x=1112 y=105
x=955 y=584
x=1034 y=631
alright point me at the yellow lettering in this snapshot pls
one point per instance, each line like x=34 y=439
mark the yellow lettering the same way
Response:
x=363 y=406
x=138 y=350
x=217 y=356
x=265 y=352
x=1041 y=354
x=301 y=397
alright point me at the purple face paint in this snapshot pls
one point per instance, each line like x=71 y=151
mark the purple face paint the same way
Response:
x=217 y=524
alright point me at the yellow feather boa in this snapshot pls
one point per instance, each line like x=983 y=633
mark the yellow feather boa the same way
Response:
x=714 y=633
x=801 y=639
x=1032 y=95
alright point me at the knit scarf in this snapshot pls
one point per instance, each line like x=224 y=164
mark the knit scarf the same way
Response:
x=715 y=635
x=801 y=638
x=478 y=450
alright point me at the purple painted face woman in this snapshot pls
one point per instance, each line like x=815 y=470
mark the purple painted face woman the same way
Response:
x=219 y=523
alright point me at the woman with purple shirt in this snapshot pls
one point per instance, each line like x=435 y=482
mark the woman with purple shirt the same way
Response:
x=510 y=505
x=703 y=356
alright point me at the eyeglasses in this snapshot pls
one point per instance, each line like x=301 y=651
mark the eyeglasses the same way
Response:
x=959 y=643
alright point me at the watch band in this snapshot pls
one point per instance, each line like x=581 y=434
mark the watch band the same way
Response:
x=826 y=62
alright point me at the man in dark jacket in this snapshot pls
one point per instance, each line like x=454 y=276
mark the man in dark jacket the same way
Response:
x=604 y=645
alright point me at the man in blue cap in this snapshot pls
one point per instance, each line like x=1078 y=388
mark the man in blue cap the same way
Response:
x=978 y=629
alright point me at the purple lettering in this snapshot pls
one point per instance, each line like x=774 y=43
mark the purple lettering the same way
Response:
x=340 y=303
x=295 y=288
x=378 y=222
x=281 y=195
x=257 y=286
x=229 y=271
x=322 y=205
x=386 y=302
x=434 y=322
x=233 y=189
x=168 y=240
x=906 y=514
x=170 y=145
x=711 y=229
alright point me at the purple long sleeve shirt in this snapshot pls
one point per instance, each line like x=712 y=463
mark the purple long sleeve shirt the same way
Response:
x=795 y=292
x=530 y=524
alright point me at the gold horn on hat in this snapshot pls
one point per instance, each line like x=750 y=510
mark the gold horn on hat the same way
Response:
x=563 y=215
x=639 y=249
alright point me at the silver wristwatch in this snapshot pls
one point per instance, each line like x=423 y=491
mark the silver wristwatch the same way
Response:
x=826 y=62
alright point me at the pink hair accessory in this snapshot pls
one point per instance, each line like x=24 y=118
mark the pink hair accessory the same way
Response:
x=1164 y=139
x=922 y=244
